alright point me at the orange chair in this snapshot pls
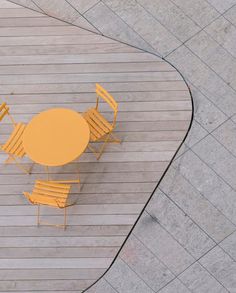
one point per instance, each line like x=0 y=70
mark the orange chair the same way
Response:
x=51 y=193
x=13 y=146
x=100 y=129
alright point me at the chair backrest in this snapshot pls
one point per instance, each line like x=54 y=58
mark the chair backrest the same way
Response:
x=50 y=193
x=4 y=110
x=102 y=93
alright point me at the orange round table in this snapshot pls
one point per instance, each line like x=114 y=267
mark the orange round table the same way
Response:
x=56 y=137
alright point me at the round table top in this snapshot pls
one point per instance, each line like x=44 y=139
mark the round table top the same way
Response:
x=56 y=137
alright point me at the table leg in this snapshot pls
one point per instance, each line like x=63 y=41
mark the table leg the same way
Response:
x=47 y=171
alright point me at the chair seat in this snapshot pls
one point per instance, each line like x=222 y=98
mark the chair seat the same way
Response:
x=14 y=144
x=50 y=193
x=98 y=125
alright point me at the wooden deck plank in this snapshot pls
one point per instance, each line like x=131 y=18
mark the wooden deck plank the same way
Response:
x=47 y=274
x=19 y=286
x=45 y=99
x=78 y=231
x=53 y=40
x=157 y=106
x=81 y=58
x=34 y=21
x=61 y=50
x=6 y=4
x=70 y=252
x=81 y=263
x=45 y=63
x=89 y=177
x=18 y=12
x=41 y=31
x=92 y=77
x=80 y=209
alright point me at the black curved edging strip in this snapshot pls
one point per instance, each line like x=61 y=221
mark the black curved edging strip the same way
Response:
x=163 y=175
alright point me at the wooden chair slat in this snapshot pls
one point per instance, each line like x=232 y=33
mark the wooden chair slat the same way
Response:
x=100 y=128
x=15 y=140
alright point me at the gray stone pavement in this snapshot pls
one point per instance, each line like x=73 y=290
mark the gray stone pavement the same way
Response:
x=185 y=240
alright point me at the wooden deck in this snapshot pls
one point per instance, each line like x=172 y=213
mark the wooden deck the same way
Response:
x=46 y=63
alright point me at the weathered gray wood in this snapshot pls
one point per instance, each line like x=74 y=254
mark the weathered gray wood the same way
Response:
x=70 y=252
x=45 y=63
x=47 y=274
x=6 y=4
x=94 y=77
x=62 y=49
x=70 y=263
x=52 y=40
x=48 y=231
x=18 y=12
x=44 y=285
x=45 y=31
x=74 y=98
x=81 y=58
x=34 y=21
x=80 y=209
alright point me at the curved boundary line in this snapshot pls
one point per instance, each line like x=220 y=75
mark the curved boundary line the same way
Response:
x=167 y=168
x=158 y=183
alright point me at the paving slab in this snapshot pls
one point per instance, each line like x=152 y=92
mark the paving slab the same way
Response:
x=184 y=148
x=215 y=158
x=171 y=17
x=205 y=112
x=205 y=79
x=64 y=11
x=101 y=286
x=222 y=6
x=222 y=267
x=175 y=286
x=179 y=225
x=199 y=11
x=162 y=244
x=196 y=134
x=144 y=24
x=145 y=264
x=83 y=5
x=208 y=183
x=199 y=280
x=202 y=212
x=101 y=17
x=226 y=135
x=215 y=56
x=223 y=32
x=130 y=281
x=231 y=14
x=229 y=245
x=28 y=3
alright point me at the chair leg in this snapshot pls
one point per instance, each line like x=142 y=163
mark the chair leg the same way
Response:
x=79 y=183
x=65 y=216
x=100 y=152
x=38 y=216
x=31 y=168
x=103 y=146
x=92 y=149
x=8 y=160
x=115 y=139
x=47 y=171
x=20 y=165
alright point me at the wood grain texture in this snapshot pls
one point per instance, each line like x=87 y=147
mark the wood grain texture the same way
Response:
x=45 y=63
